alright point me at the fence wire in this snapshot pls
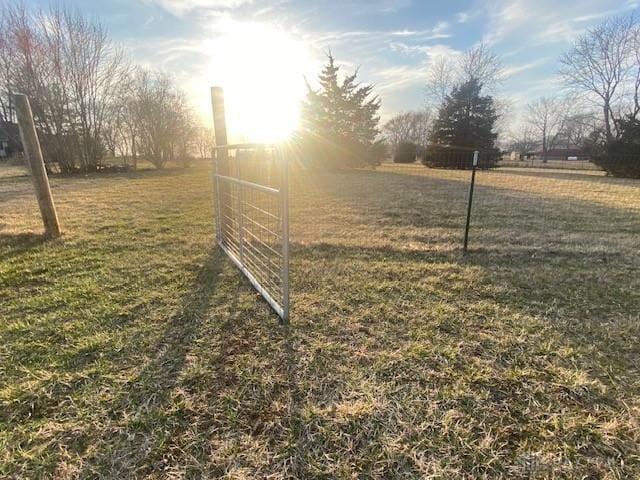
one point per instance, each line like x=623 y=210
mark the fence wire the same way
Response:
x=518 y=208
x=537 y=211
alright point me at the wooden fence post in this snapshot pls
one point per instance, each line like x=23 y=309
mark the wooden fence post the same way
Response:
x=219 y=119
x=223 y=190
x=33 y=153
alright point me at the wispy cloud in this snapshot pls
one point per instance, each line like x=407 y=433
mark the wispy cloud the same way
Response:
x=513 y=70
x=540 y=22
x=181 y=8
x=464 y=17
x=398 y=77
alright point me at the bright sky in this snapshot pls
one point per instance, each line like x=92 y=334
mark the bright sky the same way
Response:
x=261 y=50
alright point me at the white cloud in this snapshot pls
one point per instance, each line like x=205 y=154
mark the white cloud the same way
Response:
x=148 y=21
x=463 y=17
x=440 y=27
x=426 y=51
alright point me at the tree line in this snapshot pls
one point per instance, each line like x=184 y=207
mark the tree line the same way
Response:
x=89 y=100
x=596 y=110
x=460 y=114
x=340 y=121
x=599 y=109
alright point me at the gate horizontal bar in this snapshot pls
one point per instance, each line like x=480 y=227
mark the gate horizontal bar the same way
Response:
x=257 y=186
x=244 y=146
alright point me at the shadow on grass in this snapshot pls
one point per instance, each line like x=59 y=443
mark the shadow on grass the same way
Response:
x=150 y=415
x=173 y=345
x=149 y=394
x=523 y=284
x=254 y=367
x=22 y=242
x=147 y=172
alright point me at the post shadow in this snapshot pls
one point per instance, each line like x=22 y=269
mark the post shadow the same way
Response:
x=21 y=242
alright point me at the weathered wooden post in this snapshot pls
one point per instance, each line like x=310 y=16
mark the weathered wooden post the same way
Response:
x=219 y=119
x=221 y=163
x=36 y=166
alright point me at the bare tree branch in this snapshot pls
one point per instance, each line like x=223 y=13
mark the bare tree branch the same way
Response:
x=602 y=64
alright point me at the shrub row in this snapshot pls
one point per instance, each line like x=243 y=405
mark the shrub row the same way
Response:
x=444 y=157
x=625 y=166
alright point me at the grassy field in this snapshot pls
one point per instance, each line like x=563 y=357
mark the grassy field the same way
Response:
x=132 y=348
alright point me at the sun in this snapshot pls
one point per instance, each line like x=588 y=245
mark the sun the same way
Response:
x=262 y=71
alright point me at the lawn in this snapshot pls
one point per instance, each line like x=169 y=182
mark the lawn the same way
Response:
x=132 y=348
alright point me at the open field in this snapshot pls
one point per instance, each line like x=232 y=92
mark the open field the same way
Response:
x=132 y=348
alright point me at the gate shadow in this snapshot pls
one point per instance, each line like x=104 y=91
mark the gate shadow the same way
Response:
x=149 y=400
x=149 y=392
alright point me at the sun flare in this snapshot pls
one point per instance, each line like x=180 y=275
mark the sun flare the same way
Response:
x=262 y=72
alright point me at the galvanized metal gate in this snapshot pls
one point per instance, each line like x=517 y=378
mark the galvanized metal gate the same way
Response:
x=252 y=217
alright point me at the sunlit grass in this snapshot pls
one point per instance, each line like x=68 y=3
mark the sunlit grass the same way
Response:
x=131 y=348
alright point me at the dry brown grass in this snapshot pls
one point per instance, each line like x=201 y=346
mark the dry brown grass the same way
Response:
x=133 y=349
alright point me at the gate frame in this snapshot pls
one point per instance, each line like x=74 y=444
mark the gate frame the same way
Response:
x=280 y=306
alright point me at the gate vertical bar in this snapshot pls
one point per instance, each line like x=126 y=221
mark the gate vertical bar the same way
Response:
x=473 y=181
x=216 y=193
x=240 y=207
x=284 y=193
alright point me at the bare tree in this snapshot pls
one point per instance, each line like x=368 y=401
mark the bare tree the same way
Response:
x=549 y=118
x=479 y=63
x=91 y=71
x=482 y=64
x=27 y=68
x=130 y=125
x=523 y=139
x=398 y=128
x=6 y=109
x=86 y=98
x=186 y=131
x=408 y=127
x=579 y=127
x=423 y=121
x=441 y=78
x=603 y=65
x=163 y=121
x=71 y=72
x=204 y=141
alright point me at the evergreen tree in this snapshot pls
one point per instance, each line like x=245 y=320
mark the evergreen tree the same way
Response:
x=465 y=123
x=340 y=121
x=621 y=157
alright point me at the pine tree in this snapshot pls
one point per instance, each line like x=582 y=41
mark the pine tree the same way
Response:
x=621 y=157
x=465 y=123
x=340 y=121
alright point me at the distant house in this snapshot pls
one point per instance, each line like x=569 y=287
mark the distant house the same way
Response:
x=565 y=154
x=10 y=142
x=519 y=156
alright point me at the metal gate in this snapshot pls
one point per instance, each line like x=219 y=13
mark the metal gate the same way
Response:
x=252 y=217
